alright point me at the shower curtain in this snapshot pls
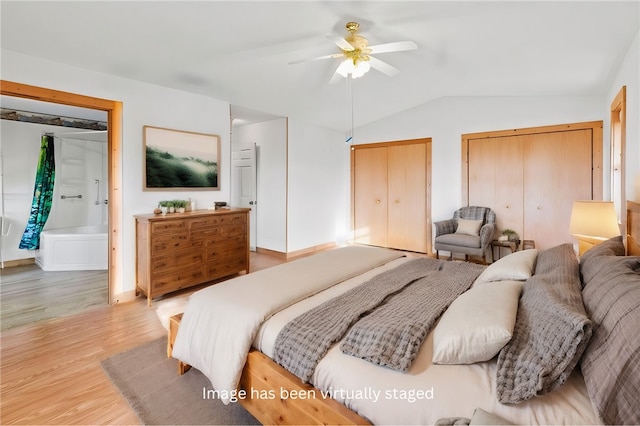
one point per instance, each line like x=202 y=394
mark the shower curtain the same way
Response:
x=42 y=195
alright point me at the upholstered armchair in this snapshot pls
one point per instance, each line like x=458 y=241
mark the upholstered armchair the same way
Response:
x=470 y=231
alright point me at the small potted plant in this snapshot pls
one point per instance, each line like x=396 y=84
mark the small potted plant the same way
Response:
x=180 y=205
x=164 y=207
x=511 y=235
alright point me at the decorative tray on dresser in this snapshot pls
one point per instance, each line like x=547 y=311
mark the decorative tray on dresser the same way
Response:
x=181 y=250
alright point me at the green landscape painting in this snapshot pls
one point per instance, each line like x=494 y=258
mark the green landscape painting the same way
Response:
x=180 y=160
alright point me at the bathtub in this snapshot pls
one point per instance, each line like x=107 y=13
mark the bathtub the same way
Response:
x=73 y=249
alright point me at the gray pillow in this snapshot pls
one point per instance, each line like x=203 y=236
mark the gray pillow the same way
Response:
x=592 y=260
x=611 y=362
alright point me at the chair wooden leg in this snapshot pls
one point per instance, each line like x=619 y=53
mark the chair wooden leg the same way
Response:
x=437 y=254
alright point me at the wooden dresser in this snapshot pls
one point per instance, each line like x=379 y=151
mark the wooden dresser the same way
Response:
x=180 y=250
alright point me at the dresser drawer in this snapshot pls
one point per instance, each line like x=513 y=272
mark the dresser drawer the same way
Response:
x=203 y=224
x=233 y=218
x=173 y=261
x=166 y=283
x=168 y=226
x=161 y=244
x=225 y=266
x=224 y=232
x=218 y=251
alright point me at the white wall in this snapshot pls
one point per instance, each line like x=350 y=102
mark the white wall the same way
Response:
x=446 y=119
x=270 y=138
x=303 y=184
x=629 y=74
x=143 y=104
x=319 y=182
x=20 y=151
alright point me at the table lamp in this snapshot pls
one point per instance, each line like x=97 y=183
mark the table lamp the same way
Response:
x=593 y=222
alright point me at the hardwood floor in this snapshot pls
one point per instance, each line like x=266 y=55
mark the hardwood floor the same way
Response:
x=51 y=371
x=28 y=294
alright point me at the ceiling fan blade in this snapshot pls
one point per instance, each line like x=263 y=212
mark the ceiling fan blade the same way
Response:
x=333 y=55
x=341 y=42
x=383 y=67
x=336 y=77
x=397 y=46
x=339 y=73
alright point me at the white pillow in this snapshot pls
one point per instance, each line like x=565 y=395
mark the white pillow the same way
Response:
x=477 y=324
x=468 y=227
x=514 y=266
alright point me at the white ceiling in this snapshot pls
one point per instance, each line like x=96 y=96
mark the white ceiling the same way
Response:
x=239 y=51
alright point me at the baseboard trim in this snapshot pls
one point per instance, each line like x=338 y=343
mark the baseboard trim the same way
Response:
x=19 y=262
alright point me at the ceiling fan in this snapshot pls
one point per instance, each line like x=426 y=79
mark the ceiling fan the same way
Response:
x=357 y=54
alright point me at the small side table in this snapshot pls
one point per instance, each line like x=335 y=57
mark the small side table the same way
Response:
x=511 y=245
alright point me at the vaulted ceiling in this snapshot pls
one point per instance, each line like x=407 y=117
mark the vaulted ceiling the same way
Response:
x=239 y=51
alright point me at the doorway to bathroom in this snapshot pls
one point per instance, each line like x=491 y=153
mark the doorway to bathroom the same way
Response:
x=113 y=110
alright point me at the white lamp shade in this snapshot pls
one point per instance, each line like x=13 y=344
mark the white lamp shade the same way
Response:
x=595 y=219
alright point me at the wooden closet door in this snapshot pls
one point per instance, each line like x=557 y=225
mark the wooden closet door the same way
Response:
x=557 y=171
x=496 y=179
x=370 y=196
x=407 y=219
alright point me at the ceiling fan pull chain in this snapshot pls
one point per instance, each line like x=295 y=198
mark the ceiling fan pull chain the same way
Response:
x=349 y=138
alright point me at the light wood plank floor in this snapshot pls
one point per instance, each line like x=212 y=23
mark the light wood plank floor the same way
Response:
x=28 y=294
x=51 y=371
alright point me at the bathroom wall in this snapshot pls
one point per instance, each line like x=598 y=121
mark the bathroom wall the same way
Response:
x=86 y=161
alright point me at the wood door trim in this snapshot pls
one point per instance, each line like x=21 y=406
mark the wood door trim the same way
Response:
x=619 y=116
x=594 y=126
x=114 y=132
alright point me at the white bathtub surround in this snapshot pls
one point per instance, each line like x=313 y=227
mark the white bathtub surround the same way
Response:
x=73 y=249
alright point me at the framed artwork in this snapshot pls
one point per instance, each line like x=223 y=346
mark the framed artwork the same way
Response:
x=175 y=160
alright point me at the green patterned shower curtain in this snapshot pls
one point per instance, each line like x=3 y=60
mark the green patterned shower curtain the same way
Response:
x=42 y=195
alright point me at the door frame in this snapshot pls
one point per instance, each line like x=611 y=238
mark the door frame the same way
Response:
x=618 y=129
x=114 y=166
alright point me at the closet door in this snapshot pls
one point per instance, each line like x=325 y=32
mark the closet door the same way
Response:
x=557 y=171
x=407 y=184
x=496 y=179
x=370 y=196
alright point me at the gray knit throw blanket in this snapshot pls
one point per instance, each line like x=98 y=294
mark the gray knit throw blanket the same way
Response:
x=552 y=330
x=392 y=313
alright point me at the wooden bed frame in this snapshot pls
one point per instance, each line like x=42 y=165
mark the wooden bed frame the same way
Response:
x=261 y=374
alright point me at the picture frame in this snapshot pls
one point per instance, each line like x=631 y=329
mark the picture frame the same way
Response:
x=176 y=160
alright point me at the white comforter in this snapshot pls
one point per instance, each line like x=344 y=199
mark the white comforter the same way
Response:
x=221 y=321
x=425 y=393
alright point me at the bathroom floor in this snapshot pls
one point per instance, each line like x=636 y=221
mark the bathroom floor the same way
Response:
x=29 y=294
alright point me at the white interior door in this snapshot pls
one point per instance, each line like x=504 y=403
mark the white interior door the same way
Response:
x=244 y=184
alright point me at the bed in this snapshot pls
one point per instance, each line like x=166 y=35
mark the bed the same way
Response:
x=535 y=338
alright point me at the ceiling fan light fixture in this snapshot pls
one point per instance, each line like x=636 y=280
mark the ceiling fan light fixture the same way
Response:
x=355 y=63
x=360 y=69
